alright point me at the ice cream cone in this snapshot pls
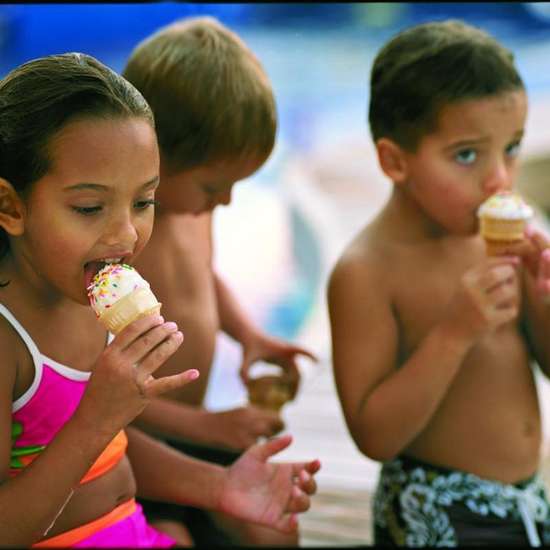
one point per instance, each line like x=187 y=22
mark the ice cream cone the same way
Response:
x=498 y=247
x=119 y=295
x=268 y=392
x=503 y=218
x=139 y=303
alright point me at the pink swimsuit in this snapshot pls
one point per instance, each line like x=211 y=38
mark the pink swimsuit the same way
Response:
x=37 y=416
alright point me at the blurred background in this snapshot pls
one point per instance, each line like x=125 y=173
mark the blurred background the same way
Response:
x=288 y=223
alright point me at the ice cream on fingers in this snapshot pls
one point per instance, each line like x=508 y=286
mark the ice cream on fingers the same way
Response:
x=119 y=295
x=503 y=219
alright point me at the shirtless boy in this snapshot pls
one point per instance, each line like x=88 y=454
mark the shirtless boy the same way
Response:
x=216 y=123
x=433 y=341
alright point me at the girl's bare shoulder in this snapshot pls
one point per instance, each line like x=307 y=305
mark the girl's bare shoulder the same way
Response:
x=12 y=354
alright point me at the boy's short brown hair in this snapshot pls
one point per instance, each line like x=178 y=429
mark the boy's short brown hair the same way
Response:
x=431 y=65
x=211 y=98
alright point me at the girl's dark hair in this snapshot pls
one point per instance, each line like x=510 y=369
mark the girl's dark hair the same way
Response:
x=38 y=98
x=431 y=65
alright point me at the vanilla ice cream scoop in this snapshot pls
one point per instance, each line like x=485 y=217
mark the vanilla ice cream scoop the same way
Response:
x=503 y=219
x=119 y=295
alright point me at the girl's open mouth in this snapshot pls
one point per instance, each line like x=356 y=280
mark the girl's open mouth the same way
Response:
x=93 y=267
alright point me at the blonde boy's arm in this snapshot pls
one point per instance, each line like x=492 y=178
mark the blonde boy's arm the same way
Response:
x=234 y=429
x=234 y=320
x=385 y=406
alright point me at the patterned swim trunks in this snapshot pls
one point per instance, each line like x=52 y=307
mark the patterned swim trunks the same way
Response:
x=418 y=504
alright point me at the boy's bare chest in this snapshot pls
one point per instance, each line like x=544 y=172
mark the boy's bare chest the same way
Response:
x=424 y=293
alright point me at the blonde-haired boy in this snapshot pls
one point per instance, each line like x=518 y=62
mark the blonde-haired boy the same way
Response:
x=216 y=124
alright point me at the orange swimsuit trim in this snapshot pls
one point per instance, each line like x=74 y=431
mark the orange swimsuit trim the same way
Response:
x=69 y=538
x=112 y=454
x=108 y=459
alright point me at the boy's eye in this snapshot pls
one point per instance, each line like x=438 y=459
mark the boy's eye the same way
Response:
x=467 y=156
x=513 y=149
x=87 y=210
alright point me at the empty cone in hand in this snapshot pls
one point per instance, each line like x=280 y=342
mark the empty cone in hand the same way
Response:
x=268 y=392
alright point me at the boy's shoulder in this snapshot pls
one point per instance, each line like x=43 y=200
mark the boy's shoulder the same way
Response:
x=366 y=260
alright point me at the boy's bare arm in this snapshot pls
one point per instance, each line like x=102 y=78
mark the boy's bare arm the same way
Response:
x=387 y=405
x=234 y=429
x=535 y=252
x=536 y=316
x=234 y=320
x=257 y=345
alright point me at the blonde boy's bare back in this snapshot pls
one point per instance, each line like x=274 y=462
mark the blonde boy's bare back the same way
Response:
x=388 y=290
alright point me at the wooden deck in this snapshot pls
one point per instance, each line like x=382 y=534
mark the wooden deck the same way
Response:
x=340 y=511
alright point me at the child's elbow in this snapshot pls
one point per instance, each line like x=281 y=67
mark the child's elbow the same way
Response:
x=380 y=449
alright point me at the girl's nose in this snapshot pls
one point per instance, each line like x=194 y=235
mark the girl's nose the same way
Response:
x=121 y=232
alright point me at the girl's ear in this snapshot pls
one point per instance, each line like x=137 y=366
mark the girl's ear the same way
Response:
x=392 y=160
x=11 y=209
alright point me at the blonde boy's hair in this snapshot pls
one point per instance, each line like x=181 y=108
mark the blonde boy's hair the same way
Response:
x=211 y=98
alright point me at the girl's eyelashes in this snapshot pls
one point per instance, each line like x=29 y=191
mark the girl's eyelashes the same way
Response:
x=142 y=205
x=466 y=156
x=87 y=210
x=96 y=209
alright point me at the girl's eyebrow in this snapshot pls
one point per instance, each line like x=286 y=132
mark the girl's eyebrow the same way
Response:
x=100 y=187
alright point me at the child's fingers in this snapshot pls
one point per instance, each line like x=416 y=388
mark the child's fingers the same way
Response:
x=307 y=483
x=311 y=467
x=302 y=351
x=164 y=342
x=145 y=343
x=288 y=523
x=134 y=330
x=504 y=314
x=262 y=451
x=539 y=239
x=523 y=248
x=495 y=276
x=299 y=501
x=158 y=386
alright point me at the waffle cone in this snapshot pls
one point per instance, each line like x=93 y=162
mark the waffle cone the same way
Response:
x=139 y=303
x=498 y=229
x=498 y=248
x=268 y=392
